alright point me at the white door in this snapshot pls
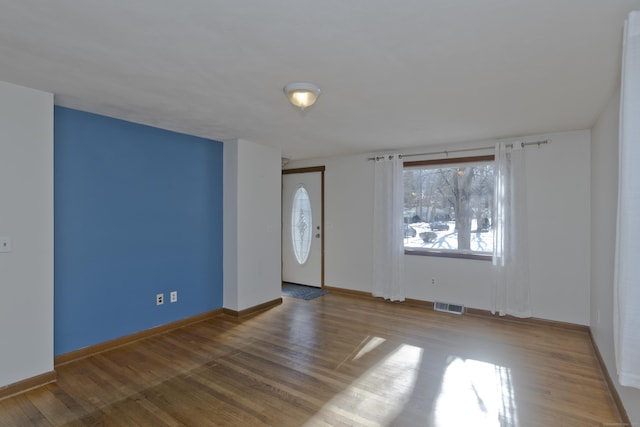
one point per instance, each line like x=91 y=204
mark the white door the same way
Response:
x=302 y=228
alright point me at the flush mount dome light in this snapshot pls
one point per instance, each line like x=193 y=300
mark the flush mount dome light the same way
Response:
x=302 y=95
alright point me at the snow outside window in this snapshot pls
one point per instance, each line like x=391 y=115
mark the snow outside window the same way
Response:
x=448 y=206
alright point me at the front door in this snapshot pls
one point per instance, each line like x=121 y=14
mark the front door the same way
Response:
x=302 y=226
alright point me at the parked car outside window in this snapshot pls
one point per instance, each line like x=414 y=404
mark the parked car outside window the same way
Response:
x=439 y=226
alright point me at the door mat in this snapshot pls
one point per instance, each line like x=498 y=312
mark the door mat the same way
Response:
x=302 y=292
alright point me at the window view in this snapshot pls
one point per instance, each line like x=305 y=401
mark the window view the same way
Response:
x=448 y=206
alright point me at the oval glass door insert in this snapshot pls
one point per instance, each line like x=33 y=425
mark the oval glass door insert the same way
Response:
x=301 y=224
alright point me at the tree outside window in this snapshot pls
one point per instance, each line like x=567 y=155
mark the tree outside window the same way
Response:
x=448 y=206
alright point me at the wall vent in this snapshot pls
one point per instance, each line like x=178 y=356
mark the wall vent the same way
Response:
x=448 y=308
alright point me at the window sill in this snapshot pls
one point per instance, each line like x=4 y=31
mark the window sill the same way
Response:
x=449 y=254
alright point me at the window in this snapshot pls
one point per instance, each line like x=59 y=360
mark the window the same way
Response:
x=301 y=221
x=448 y=207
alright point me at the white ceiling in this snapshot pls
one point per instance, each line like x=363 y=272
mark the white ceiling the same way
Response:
x=400 y=73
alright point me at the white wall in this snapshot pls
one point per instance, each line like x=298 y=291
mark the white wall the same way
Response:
x=604 y=193
x=252 y=188
x=558 y=198
x=230 y=225
x=26 y=215
x=559 y=188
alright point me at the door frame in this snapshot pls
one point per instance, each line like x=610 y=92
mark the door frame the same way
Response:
x=308 y=170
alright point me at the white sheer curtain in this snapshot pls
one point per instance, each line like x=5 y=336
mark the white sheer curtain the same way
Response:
x=388 y=246
x=510 y=292
x=626 y=314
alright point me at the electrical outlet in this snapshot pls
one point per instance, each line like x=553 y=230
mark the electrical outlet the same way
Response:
x=173 y=297
x=433 y=281
x=159 y=299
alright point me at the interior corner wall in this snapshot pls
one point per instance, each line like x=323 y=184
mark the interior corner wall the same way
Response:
x=26 y=216
x=230 y=233
x=253 y=189
x=604 y=184
x=138 y=212
x=558 y=209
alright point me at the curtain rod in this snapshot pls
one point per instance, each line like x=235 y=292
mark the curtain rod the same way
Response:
x=447 y=152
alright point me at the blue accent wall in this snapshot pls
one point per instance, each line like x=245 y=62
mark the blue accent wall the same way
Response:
x=137 y=211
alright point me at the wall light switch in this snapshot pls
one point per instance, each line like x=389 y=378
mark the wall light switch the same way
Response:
x=5 y=244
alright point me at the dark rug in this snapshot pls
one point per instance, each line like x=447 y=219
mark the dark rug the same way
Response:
x=302 y=292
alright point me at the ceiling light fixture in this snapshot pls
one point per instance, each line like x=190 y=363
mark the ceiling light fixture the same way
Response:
x=302 y=95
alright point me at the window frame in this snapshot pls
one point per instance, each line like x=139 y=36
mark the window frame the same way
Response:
x=443 y=253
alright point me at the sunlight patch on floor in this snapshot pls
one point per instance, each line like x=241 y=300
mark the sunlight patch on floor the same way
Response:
x=380 y=394
x=370 y=344
x=475 y=393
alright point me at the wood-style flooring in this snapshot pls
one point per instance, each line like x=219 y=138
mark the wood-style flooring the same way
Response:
x=338 y=360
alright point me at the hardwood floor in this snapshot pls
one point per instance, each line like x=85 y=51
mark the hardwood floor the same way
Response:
x=338 y=360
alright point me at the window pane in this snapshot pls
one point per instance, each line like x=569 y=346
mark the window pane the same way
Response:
x=301 y=224
x=449 y=208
